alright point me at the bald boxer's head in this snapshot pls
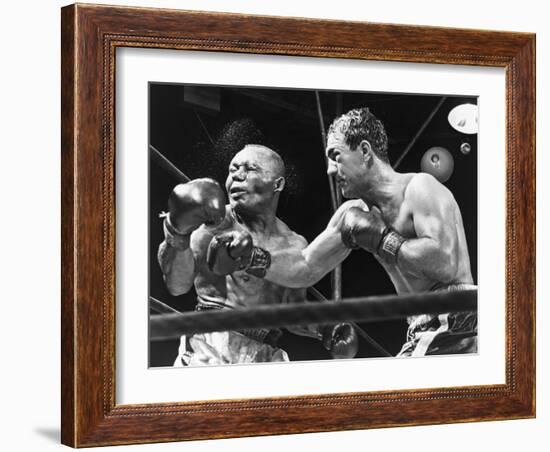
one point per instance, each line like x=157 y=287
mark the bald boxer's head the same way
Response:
x=255 y=180
x=356 y=143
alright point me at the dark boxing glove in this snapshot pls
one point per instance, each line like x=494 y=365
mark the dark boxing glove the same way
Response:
x=363 y=229
x=200 y=201
x=340 y=340
x=367 y=230
x=234 y=250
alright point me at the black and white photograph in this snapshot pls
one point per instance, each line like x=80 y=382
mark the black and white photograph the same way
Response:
x=242 y=220
x=277 y=198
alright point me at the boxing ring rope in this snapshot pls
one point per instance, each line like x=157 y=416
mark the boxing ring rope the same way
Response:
x=360 y=331
x=364 y=309
x=159 y=307
x=167 y=165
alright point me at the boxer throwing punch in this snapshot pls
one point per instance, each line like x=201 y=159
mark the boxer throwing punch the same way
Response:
x=410 y=222
x=222 y=251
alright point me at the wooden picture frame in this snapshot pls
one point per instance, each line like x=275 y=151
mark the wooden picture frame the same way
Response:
x=90 y=36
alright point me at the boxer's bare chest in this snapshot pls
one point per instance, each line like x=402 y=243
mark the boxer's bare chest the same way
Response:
x=242 y=289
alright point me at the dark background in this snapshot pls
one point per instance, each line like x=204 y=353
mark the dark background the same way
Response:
x=200 y=128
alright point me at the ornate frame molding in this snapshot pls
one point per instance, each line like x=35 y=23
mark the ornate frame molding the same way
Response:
x=90 y=36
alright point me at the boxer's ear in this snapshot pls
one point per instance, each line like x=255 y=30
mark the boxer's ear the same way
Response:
x=279 y=184
x=366 y=149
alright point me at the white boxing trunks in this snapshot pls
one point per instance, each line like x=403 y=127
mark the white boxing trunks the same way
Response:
x=229 y=347
x=226 y=347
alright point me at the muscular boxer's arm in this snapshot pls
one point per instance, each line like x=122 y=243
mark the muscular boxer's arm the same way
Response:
x=299 y=265
x=190 y=205
x=433 y=255
x=179 y=265
x=178 y=268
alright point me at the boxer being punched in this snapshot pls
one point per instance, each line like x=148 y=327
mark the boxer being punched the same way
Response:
x=209 y=245
x=410 y=222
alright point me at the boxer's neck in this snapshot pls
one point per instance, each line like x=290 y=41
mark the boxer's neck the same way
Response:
x=261 y=222
x=383 y=188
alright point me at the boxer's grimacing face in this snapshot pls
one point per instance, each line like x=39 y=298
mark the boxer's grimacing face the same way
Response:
x=346 y=165
x=251 y=181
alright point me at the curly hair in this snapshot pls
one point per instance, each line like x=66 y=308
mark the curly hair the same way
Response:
x=360 y=124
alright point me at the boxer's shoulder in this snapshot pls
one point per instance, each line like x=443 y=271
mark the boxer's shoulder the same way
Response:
x=420 y=183
x=423 y=188
x=296 y=240
x=355 y=203
x=288 y=237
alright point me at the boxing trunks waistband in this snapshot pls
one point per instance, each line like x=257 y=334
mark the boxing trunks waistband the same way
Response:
x=264 y=335
x=451 y=287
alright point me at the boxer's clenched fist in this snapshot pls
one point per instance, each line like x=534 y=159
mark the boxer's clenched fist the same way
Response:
x=200 y=201
x=235 y=250
x=363 y=229
x=229 y=252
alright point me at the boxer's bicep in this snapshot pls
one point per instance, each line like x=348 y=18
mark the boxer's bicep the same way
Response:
x=177 y=268
x=433 y=219
x=432 y=253
x=181 y=267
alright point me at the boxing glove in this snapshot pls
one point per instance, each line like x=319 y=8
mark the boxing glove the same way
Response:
x=340 y=340
x=200 y=201
x=234 y=250
x=369 y=231
x=363 y=229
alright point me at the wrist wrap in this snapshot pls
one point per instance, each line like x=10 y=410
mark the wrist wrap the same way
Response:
x=259 y=262
x=389 y=246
